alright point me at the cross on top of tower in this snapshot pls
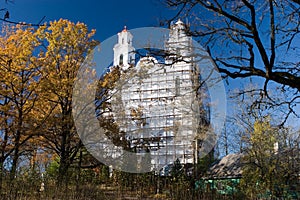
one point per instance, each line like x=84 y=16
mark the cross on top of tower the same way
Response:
x=179 y=22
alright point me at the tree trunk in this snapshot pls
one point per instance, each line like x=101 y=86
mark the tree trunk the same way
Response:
x=78 y=175
x=63 y=169
x=1 y=175
x=17 y=144
x=15 y=156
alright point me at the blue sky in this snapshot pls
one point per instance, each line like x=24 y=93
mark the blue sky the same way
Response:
x=107 y=17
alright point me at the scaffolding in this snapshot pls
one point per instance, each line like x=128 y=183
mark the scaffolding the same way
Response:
x=158 y=105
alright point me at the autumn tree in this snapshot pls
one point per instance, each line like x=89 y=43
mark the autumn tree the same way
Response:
x=259 y=41
x=20 y=77
x=268 y=163
x=65 y=46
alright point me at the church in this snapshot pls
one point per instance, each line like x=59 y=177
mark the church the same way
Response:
x=158 y=104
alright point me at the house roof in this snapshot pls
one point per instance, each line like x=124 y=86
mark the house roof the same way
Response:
x=229 y=166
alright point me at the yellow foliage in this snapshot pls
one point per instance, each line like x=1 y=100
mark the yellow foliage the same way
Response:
x=262 y=164
x=38 y=68
x=68 y=44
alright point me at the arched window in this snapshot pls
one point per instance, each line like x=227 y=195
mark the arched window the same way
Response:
x=121 y=60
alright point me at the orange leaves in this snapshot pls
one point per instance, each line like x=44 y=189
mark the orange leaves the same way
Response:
x=67 y=46
x=17 y=61
x=38 y=68
x=65 y=35
x=18 y=83
x=110 y=78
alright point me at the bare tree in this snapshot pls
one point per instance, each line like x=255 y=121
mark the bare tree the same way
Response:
x=6 y=17
x=251 y=39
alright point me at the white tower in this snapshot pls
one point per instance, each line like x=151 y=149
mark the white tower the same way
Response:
x=179 y=45
x=124 y=54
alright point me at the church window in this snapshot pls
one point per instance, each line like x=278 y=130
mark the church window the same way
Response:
x=121 y=60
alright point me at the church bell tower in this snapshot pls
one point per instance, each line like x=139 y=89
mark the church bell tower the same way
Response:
x=124 y=55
